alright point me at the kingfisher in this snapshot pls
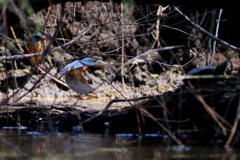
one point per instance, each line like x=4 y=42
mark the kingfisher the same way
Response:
x=74 y=77
x=36 y=46
x=206 y=70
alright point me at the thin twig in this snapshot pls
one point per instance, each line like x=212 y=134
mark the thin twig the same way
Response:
x=177 y=29
x=162 y=126
x=216 y=35
x=147 y=53
x=34 y=86
x=234 y=128
x=206 y=32
x=113 y=101
x=53 y=78
x=123 y=47
x=83 y=32
x=15 y=37
x=233 y=131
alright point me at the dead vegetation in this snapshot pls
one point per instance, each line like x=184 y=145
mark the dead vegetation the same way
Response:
x=147 y=50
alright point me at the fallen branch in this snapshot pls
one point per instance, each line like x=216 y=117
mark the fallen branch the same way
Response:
x=15 y=57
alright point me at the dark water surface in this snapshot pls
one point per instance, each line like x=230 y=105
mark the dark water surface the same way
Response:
x=20 y=144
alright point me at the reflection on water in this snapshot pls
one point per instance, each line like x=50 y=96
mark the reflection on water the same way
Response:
x=20 y=144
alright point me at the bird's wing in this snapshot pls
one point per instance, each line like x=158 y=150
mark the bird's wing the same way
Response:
x=77 y=75
x=64 y=70
x=77 y=64
x=73 y=65
x=78 y=86
x=90 y=63
x=199 y=70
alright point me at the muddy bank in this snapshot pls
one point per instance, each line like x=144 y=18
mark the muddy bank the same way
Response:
x=176 y=114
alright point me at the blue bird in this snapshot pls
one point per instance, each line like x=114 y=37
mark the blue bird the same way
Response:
x=74 y=77
x=206 y=70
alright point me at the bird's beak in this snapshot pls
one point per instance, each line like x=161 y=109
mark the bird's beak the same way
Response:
x=103 y=63
x=99 y=61
x=106 y=65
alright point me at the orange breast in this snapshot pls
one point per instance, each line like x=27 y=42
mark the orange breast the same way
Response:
x=76 y=74
x=35 y=48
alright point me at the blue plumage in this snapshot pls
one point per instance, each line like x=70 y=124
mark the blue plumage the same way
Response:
x=198 y=71
x=206 y=70
x=78 y=64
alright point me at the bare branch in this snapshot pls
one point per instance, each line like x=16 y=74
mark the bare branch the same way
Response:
x=15 y=57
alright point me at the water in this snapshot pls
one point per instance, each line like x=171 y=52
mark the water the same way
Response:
x=22 y=144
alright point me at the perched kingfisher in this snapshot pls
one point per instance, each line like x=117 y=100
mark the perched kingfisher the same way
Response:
x=36 y=46
x=206 y=70
x=74 y=77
